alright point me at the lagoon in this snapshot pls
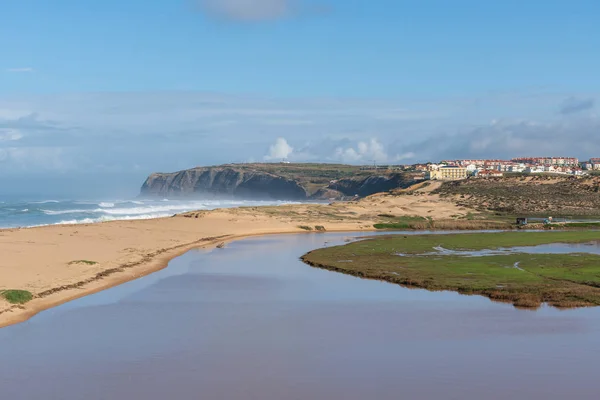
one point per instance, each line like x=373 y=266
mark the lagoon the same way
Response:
x=252 y=321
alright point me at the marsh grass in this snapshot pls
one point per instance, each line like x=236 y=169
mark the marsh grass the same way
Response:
x=582 y=225
x=16 y=296
x=561 y=280
x=422 y=223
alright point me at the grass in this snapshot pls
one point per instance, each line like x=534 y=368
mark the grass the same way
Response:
x=16 y=296
x=320 y=228
x=581 y=225
x=422 y=223
x=403 y=222
x=561 y=280
x=87 y=262
x=305 y=227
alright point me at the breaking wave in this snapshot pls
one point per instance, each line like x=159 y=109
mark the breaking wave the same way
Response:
x=52 y=212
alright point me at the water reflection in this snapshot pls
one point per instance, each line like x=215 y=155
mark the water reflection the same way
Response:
x=553 y=248
x=252 y=322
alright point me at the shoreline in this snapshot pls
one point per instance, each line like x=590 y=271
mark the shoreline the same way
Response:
x=60 y=263
x=527 y=280
x=45 y=302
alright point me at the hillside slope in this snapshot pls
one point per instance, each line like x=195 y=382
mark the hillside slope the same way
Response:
x=564 y=196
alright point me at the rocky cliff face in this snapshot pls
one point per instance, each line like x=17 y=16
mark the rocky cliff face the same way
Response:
x=222 y=182
x=250 y=182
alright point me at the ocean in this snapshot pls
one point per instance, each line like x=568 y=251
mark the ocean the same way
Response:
x=17 y=213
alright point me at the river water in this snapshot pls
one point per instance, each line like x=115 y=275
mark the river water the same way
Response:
x=252 y=322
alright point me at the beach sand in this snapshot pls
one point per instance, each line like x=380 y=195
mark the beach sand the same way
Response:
x=42 y=260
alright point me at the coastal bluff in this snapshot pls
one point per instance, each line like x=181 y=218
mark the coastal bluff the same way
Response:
x=276 y=181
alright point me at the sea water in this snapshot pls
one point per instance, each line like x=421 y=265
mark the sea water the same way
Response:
x=24 y=213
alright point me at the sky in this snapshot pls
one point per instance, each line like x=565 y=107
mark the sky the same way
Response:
x=95 y=95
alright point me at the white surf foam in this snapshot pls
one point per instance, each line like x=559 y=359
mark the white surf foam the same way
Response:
x=62 y=212
x=119 y=210
x=109 y=218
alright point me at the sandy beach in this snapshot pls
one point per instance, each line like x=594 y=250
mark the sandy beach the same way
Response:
x=46 y=261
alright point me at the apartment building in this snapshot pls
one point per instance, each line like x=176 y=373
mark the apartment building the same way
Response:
x=448 y=173
x=555 y=161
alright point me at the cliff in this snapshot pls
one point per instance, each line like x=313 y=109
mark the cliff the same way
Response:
x=274 y=181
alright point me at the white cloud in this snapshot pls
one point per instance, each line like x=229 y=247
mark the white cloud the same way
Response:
x=371 y=151
x=507 y=138
x=10 y=135
x=36 y=159
x=248 y=10
x=21 y=69
x=279 y=150
x=168 y=131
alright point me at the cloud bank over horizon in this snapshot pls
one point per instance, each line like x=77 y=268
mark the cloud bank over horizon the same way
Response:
x=133 y=134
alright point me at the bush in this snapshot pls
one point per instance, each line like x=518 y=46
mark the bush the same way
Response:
x=87 y=262
x=17 y=296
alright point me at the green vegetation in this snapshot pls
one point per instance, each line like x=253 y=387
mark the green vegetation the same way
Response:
x=16 y=296
x=305 y=227
x=428 y=223
x=404 y=222
x=525 y=280
x=581 y=225
x=87 y=262
x=320 y=228
x=310 y=176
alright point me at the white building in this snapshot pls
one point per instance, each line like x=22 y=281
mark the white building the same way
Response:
x=518 y=168
x=534 y=169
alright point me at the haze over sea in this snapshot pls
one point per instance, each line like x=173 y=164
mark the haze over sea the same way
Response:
x=20 y=213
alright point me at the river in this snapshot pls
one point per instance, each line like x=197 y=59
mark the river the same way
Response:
x=253 y=322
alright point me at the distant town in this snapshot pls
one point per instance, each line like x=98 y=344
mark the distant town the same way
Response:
x=482 y=168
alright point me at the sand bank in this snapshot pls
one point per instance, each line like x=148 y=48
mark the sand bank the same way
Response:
x=44 y=260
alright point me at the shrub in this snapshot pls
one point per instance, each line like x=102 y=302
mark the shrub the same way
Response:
x=17 y=296
x=87 y=262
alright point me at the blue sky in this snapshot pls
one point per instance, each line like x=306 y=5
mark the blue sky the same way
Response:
x=116 y=89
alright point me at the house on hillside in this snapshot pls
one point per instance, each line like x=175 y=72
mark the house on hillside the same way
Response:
x=489 y=173
x=534 y=169
x=595 y=164
x=517 y=168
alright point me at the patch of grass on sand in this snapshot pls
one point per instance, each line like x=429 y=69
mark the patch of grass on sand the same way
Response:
x=87 y=262
x=305 y=227
x=525 y=280
x=404 y=222
x=16 y=296
x=320 y=228
x=422 y=223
